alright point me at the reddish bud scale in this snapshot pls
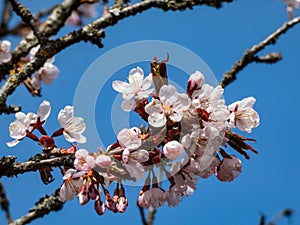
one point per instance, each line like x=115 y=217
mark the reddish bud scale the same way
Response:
x=47 y=142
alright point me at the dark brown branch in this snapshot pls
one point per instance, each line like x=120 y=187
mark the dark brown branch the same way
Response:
x=250 y=54
x=43 y=207
x=9 y=167
x=27 y=18
x=4 y=203
x=6 y=14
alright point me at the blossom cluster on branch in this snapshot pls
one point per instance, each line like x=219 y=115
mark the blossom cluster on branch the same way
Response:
x=184 y=140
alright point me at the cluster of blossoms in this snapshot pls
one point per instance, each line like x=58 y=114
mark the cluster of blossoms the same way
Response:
x=183 y=141
x=291 y=6
x=47 y=73
x=25 y=124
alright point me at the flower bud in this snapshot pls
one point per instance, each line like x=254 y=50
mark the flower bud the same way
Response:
x=229 y=169
x=173 y=149
x=99 y=206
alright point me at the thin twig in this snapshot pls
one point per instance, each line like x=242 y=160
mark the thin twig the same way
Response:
x=285 y=213
x=249 y=55
x=151 y=215
x=6 y=14
x=43 y=207
x=4 y=203
x=142 y=214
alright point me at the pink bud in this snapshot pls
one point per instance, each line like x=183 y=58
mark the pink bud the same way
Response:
x=229 y=169
x=173 y=149
x=92 y=191
x=122 y=204
x=195 y=82
x=103 y=161
x=83 y=196
x=99 y=206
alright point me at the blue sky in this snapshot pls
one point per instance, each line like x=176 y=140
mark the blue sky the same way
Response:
x=269 y=181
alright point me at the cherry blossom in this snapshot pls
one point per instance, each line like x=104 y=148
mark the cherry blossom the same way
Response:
x=173 y=149
x=84 y=161
x=171 y=104
x=73 y=127
x=129 y=138
x=137 y=87
x=47 y=73
x=291 y=5
x=229 y=168
x=103 y=161
x=72 y=184
x=243 y=115
x=153 y=197
x=25 y=123
x=5 y=53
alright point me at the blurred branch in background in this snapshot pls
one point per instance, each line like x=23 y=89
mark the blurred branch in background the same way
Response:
x=286 y=213
x=4 y=203
x=250 y=54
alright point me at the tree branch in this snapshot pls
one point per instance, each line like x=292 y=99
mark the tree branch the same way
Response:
x=43 y=207
x=27 y=18
x=4 y=203
x=249 y=55
x=10 y=168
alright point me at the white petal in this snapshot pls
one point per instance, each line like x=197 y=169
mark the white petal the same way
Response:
x=167 y=92
x=157 y=119
x=147 y=82
x=65 y=115
x=176 y=116
x=135 y=169
x=50 y=73
x=75 y=125
x=44 y=110
x=12 y=143
x=120 y=86
x=128 y=105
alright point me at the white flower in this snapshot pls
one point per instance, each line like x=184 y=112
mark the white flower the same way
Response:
x=83 y=160
x=170 y=104
x=5 y=54
x=103 y=161
x=23 y=122
x=209 y=98
x=137 y=87
x=73 y=126
x=71 y=186
x=229 y=169
x=291 y=5
x=243 y=115
x=173 y=149
x=48 y=73
x=129 y=138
